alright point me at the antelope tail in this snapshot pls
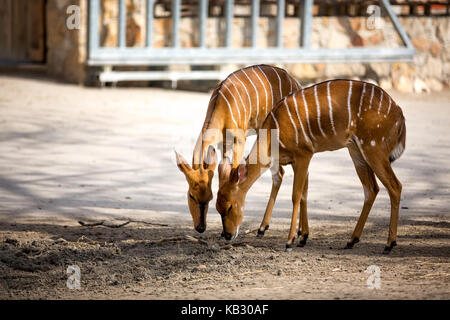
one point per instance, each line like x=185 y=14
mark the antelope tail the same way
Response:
x=400 y=146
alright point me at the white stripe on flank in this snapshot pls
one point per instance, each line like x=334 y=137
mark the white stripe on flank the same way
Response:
x=307 y=115
x=279 y=83
x=359 y=144
x=278 y=128
x=276 y=122
x=212 y=98
x=298 y=117
x=297 y=85
x=390 y=103
x=235 y=101
x=362 y=98
x=270 y=85
x=381 y=100
x=265 y=90
x=330 y=107
x=290 y=83
x=242 y=101
x=371 y=97
x=318 y=111
x=349 y=97
x=257 y=96
x=229 y=107
x=292 y=121
x=248 y=95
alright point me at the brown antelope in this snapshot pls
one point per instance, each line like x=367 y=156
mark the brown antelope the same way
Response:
x=239 y=103
x=325 y=117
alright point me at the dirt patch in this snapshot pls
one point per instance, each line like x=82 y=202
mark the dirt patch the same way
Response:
x=157 y=263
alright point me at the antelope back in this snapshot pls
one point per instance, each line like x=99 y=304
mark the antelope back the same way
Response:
x=329 y=115
x=247 y=95
x=242 y=101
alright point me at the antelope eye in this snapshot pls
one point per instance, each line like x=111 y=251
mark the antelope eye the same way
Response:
x=192 y=197
x=229 y=208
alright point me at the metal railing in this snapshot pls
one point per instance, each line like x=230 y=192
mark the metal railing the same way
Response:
x=203 y=55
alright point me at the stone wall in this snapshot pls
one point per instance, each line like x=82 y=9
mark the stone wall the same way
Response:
x=430 y=70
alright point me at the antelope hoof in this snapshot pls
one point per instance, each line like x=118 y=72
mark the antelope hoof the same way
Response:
x=388 y=249
x=302 y=242
x=288 y=247
x=352 y=243
x=262 y=231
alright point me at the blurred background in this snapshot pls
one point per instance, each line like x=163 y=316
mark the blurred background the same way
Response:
x=176 y=43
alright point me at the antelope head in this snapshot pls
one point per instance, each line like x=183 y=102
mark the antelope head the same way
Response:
x=199 y=193
x=231 y=198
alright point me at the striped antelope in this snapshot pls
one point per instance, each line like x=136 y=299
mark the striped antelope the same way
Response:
x=325 y=117
x=238 y=104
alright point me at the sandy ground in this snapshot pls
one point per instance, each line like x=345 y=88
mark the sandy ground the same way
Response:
x=70 y=153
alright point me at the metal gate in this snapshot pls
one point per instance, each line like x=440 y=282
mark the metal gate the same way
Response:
x=202 y=55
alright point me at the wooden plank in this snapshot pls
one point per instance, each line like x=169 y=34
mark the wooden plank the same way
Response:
x=5 y=29
x=36 y=29
x=19 y=31
x=22 y=31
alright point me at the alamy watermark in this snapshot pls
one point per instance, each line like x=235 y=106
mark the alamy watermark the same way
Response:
x=74 y=18
x=374 y=21
x=74 y=279
x=374 y=279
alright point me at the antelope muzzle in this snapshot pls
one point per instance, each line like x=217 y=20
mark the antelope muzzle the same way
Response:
x=227 y=236
x=201 y=227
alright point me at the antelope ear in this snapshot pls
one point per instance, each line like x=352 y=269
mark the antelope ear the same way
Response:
x=182 y=164
x=224 y=170
x=242 y=172
x=239 y=174
x=211 y=159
